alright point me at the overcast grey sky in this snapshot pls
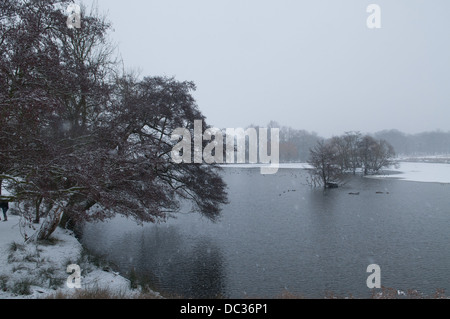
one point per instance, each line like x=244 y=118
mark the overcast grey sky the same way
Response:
x=308 y=64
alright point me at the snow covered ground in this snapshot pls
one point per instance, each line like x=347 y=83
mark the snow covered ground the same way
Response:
x=409 y=171
x=425 y=158
x=281 y=165
x=39 y=270
x=419 y=172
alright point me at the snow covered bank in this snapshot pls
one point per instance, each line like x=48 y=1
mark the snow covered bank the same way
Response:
x=281 y=165
x=420 y=172
x=39 y=270
x=431 y=172
x=445 y=159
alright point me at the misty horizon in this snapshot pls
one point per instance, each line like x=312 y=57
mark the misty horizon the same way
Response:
x=312 y=65
x=316 y=132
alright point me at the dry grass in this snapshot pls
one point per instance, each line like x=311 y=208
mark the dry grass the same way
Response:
x=383 y=293
x=286 y=294
x=101 y=293
x=390 y=293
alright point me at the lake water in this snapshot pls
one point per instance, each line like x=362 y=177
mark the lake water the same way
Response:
x=279 y=234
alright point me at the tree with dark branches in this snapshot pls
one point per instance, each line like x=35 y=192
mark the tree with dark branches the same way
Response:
x=325 y=166
x=78 y=140
x=332 y=159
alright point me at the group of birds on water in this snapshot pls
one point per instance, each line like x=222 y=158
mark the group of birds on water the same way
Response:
x=294 y=190
x=289 y=190
x=351 y=193
x=375 y=193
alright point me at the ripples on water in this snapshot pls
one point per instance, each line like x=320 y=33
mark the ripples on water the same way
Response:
x=277 y=233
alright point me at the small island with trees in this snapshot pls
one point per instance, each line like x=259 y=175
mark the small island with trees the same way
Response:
x=352 y=152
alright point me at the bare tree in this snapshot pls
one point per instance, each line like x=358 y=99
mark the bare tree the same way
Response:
x=342 y=152
x=333 y=158
x=352 y=140
x=375 y=155
x=79 y=142
x=323 y=158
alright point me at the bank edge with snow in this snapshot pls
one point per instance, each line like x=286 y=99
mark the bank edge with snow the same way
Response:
x=39 y=270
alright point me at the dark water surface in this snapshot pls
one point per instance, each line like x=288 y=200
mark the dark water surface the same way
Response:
x=277 y=233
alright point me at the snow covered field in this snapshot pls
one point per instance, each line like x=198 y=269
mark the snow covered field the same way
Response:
x=281 y=165
x=420 y=172
x=408 y=171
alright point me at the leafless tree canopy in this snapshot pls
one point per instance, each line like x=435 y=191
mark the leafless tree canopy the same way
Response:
x=340 y=155
x=76 y=134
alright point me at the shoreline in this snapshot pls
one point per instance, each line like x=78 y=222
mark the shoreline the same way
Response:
x=98 y=283
x=39 y=270
x=430 y=171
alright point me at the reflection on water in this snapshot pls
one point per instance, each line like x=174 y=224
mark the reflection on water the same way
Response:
x=160 y=255
x=277 y=233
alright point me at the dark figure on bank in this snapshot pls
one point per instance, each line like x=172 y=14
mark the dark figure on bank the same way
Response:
x=5 y=206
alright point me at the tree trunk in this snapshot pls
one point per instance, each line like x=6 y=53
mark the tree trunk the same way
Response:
x=66 y=220
x=51 y=223
x=38 y=212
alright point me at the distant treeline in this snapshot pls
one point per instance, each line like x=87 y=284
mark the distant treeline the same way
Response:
x=425 y=143
x=295 y=144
